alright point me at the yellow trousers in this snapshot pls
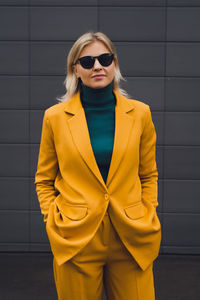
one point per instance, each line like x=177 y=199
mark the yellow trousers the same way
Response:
x=103 y=261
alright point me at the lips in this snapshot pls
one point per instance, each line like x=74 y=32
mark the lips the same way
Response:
x=98 y=76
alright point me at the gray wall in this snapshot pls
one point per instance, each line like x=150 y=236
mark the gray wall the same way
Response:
x=158 y=43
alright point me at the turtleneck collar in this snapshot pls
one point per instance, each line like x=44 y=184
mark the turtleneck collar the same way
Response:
x=97 y=97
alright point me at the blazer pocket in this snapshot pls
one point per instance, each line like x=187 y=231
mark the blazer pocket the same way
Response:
x=135 y=211
x=73 y=212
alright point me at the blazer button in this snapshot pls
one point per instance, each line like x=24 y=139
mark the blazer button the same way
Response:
x=106 y=196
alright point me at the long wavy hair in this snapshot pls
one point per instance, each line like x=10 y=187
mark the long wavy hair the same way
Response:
x=71 y=82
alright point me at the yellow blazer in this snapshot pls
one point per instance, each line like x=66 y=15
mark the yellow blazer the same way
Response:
x=72 y=193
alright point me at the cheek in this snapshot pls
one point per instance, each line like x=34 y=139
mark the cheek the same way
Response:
x=83 y=73
x=111 y=72
x=85 y=77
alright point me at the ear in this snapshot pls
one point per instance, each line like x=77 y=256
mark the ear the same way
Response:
x=75 y=70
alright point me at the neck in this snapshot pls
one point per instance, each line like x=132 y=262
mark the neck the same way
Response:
x=97 y=97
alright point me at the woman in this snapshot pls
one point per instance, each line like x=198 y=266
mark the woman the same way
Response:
x=97 y=181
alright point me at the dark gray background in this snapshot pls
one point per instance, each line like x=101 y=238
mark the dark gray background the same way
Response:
x=158 y=43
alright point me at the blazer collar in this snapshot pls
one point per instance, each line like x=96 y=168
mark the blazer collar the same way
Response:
x=80 y=134
x=74 y=104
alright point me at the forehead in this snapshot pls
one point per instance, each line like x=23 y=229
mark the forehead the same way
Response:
x=94 y=49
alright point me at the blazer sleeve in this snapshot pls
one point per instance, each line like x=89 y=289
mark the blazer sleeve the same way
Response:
x=47 y=168
x=147 y=167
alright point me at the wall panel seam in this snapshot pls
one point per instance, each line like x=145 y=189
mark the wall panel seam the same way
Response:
x=163 y=132
x=29 y=106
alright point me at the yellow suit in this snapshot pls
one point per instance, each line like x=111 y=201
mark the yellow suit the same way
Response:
x=72 y=193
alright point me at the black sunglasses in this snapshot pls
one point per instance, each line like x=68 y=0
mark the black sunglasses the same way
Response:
x=87 y=62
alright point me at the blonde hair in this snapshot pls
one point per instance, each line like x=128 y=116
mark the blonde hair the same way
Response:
x=71 y=82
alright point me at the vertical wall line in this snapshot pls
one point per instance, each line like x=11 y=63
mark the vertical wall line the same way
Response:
x=98 y=17
x=29 y=121
x=164 y=123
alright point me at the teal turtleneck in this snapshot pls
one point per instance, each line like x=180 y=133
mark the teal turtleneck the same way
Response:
x=99 y=107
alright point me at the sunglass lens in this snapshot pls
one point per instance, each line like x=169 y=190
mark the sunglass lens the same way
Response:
x=87 y=62
x=106 y=59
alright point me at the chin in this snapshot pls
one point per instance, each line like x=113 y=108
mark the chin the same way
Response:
x=99 y=85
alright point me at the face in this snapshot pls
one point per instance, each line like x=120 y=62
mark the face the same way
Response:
x=98 y=76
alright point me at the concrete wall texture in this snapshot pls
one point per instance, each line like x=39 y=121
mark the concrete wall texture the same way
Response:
x=158 y=43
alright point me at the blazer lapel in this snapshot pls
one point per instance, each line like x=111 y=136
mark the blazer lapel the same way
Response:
x=80 y=134
x=123 y=125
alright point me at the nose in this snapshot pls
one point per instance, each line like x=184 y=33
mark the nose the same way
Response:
x=97 y=64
